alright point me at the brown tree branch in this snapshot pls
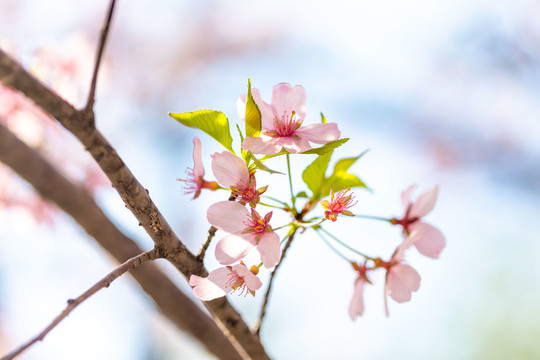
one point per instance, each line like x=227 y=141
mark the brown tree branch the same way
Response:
x=73 y=303
x=135 y=196
x=99 y=54
x=257 y=327
x=76 y=202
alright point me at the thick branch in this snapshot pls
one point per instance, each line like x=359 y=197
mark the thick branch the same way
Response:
x=76 y=202
x=132 y=192
x=73 y=303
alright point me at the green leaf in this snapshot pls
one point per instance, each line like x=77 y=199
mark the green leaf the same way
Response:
x=344 y=164
x=323 y=119
x=214 y=123
x=259 y=165
x=253 y=115
x=327 y=147
x=245 y=154
x=340 y=181
x=313 y=175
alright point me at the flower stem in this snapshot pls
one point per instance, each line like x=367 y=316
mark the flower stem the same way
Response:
x=333 y=248
x=272 y=206
x=293 y=199
x=372 y=217
x=308 y=224
x=347 y=246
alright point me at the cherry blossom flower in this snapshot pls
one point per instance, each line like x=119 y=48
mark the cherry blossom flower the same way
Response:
x=232 y=173
x=282 y=123
x=401 y=279
x=225 y=280
x=196 y=183
x=247 y=229
x=356 y=307
x=430 y=241
x=338 y=204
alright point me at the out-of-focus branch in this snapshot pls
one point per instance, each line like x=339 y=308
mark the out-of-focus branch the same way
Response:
x=135 y=196
x=76 y=202
x=99 y=54
x=73 y=303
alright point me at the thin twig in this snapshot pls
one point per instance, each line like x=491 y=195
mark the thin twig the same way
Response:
x=99 y=54
x=73 y=303
x=204 y=247
x=257 y=328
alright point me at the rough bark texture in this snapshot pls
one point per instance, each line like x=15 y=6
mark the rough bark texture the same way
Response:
x=134 y=195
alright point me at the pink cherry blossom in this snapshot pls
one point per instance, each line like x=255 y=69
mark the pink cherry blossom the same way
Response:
x=196 y=183
x=356 y=307
x=225 y=280
x=430 y=241
x=232 y=172
x=338 y=204
x=282 y=123
x=401 y=279
x=247 y=229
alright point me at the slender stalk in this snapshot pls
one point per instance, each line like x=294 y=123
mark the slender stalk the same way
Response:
x=206 y=244
x=293 y=199
x=346 y=246
x=372 y=217
x=332 y=247
x=257 y=328
x=99 y=54
x=73 y=303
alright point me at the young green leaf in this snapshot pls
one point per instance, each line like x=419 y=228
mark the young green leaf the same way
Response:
x=341 y=178
x=259 y=165
x=214 y=123
x=314 y=174
x=323 y=119
x=253 y=115
x=327 y=147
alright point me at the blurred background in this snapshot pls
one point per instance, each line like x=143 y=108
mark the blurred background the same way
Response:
x=442 y=92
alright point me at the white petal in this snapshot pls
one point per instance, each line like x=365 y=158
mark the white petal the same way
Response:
x=231 y=249
x=425 y=203
x=319 y=133
x=228 y=169
x=198 y=168
x=228 y=216
x=270 y=249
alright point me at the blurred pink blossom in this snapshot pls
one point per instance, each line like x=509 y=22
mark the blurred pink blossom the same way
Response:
x=356 y=307
x=225 y=280
x=196 y=182
x=430 y=241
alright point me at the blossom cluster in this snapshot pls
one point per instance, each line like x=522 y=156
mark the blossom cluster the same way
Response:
x=277 y=129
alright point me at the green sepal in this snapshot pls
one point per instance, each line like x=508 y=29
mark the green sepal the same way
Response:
x=214 y=123
x=253 y=115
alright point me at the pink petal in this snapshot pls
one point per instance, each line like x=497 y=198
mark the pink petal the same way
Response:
x=356 y=307
x=425 y=203
x=261 y=145
x=286 y=99
x=406 y=196
x=292 y=144
x=401 y=281
x=241 y=105
x=430 y=240
x=252 y=281
x=319 y=133
x=407 y=242
x=205 y=289
x=228 y=169
x=228 y=216
x=270 y=249
x=198 y=169
x=231 y=249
